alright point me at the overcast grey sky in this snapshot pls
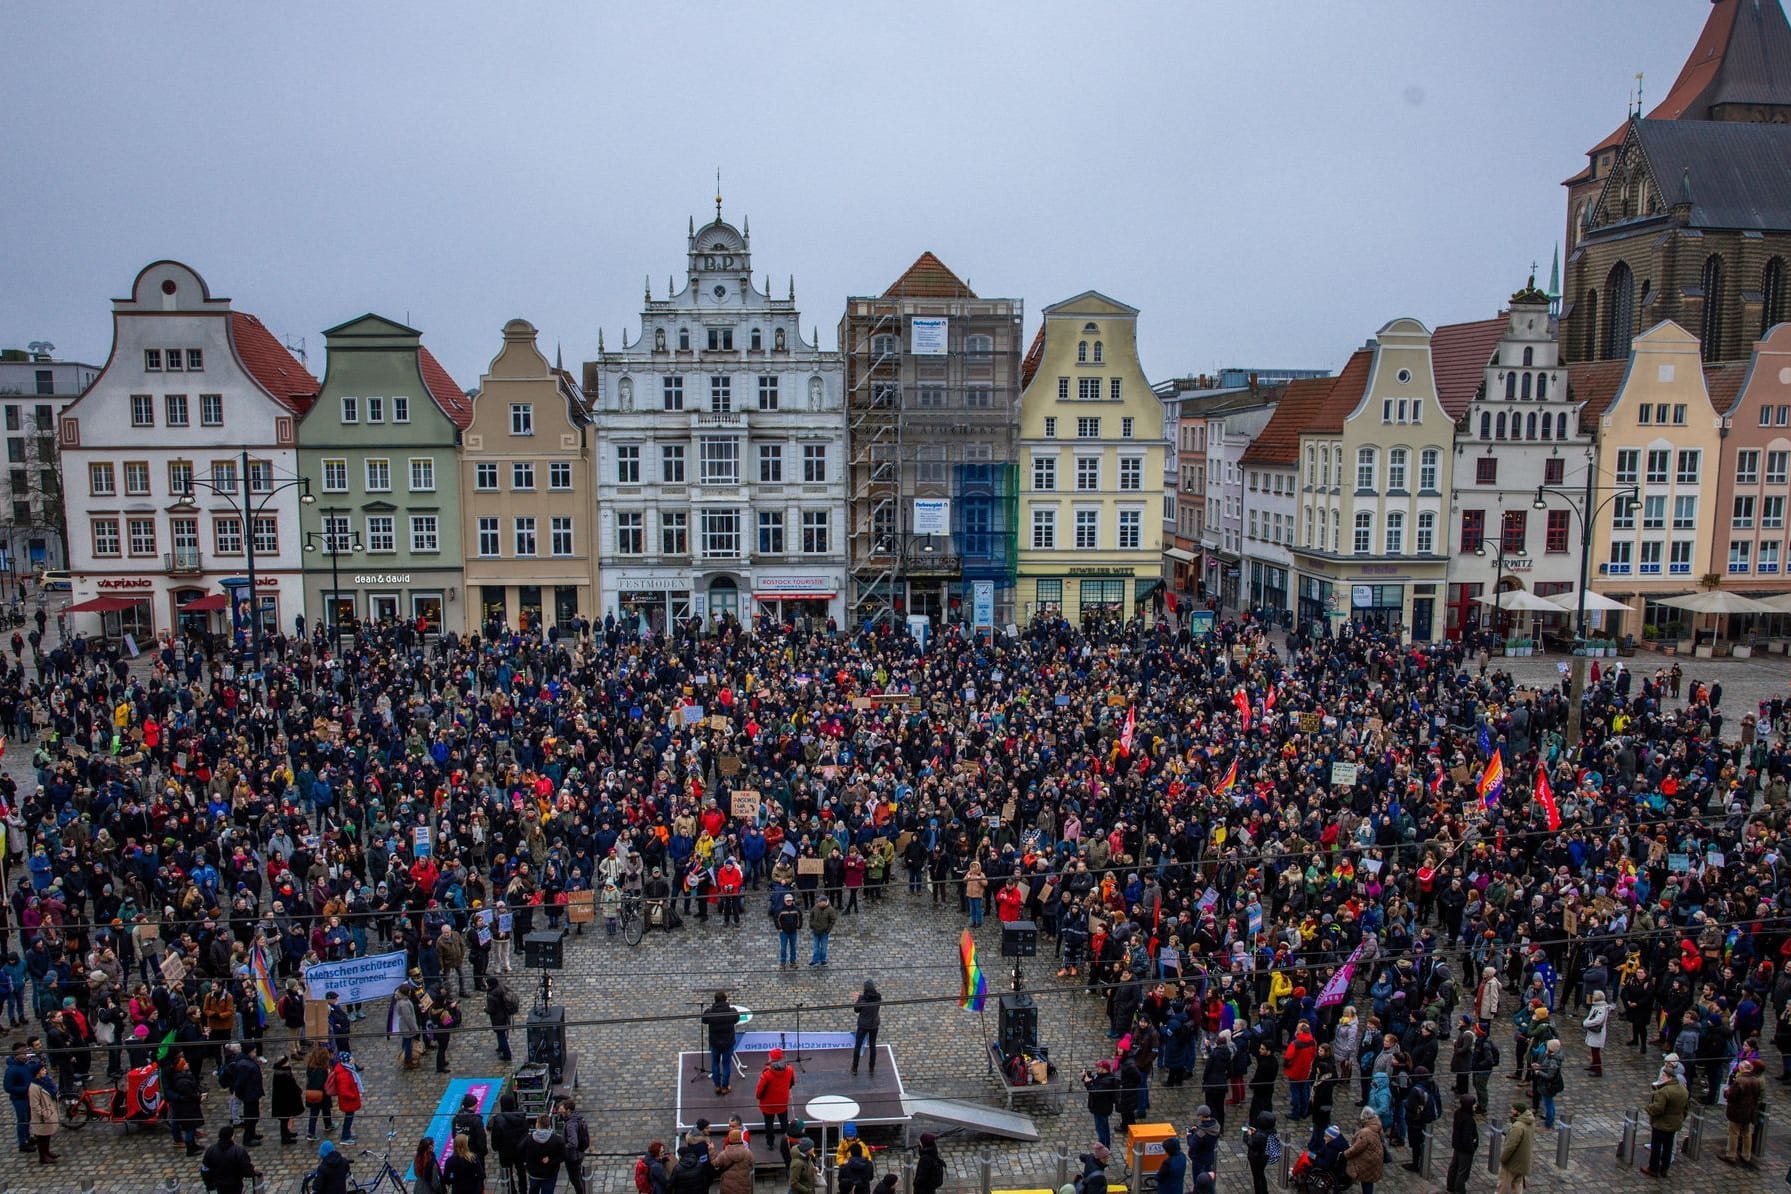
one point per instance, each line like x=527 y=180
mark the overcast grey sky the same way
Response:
x=1268 y=183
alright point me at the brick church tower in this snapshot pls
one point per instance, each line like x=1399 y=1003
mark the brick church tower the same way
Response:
x=1685 y=214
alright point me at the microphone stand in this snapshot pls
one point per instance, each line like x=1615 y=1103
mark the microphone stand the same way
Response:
x=800 y=1061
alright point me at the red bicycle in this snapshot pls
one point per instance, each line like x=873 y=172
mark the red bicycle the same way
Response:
x=137 y=1101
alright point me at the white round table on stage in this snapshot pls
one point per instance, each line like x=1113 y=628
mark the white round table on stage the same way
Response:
x=831 y=1111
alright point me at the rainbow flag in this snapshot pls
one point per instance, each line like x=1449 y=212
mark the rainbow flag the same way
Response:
x=976 y=986
x=264 y=983
x=1231 y=778
x=1492 y=782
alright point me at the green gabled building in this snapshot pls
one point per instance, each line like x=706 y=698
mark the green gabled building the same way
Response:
x=383 y=541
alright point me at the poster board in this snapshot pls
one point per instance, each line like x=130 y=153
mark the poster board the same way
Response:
x=317 y=1019
x=1462 y=774
x=861 y=703
x=1343 y=775
x=581 y=907
x=718 y=722
x=1310 y=723
x=174 y=969
x=1115 y=700
x=729 y=764
x=744 y=803
x=809 y=866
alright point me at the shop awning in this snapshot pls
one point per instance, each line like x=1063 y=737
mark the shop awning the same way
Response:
x=205 y=604
x=103 y=605
x=793 y=596
x=1147 y=591
x=1176 y=553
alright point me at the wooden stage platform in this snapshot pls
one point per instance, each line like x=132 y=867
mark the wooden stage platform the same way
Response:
x=879 y=1095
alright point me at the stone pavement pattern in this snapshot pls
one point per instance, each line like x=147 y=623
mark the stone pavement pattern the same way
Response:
x=631 y=1010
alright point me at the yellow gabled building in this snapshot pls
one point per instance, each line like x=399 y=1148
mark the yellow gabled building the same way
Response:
x=1091 y=455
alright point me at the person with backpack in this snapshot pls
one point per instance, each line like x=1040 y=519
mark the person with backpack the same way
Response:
x=1547 y=1081
x=929 y=1166
x=543 y=1152
x=1262 y=1147
x=467 y=1124
x=695 y=1171
x=508 y=1128
x=1486 y=1063
x=501 y=1006
x=226 y=1165
x=649 y=1170
x=344 y=1086
x=1418 y=1113
x=578 y=1141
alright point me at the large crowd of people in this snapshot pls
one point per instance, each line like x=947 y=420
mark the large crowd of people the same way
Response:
x=1281 y=863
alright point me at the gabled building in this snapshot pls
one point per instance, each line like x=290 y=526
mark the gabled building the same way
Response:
x=721 y=480
x=527 y=490
x=1659 y=432
x=1271 y=465
x=1231 y=423
x=1754 y=480
x=933 y=411
x=1375 y=475
x=1091 y=459
x=383 y=541
x=1517 y=428
x=191 y=388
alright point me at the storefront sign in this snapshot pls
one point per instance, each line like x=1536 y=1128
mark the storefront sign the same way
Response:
x=1361 y=596
x=1105 y=570
x=382 y=578
x=131 y=582
x=818 y=586
x=652 y=584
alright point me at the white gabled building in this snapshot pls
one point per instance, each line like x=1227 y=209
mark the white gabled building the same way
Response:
x=721 y=470
x=190 y=387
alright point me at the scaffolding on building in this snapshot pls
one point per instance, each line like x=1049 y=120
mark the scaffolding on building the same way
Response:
x=939 y=423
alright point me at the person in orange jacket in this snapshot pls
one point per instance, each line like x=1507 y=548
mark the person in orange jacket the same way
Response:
x=776 y=1081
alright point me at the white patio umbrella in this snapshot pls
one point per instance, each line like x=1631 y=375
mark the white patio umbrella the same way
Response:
x=1780 y=604
x=1521 y=599
x=1595 y=603
x=1718 y=601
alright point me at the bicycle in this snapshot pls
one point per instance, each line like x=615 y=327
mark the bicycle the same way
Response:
x=388 y=1176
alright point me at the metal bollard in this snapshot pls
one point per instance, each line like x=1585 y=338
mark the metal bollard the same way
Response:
x=1760 y=1126
x=1495 y=1143
x=1284 y=1169
x=829 y=1173
x=1694 y=1140
x=1427 y=1147
x=1063 y=1170
x=1626 y=1141
x=1563 y=1141
x=908 y=1177
x=985 y=1173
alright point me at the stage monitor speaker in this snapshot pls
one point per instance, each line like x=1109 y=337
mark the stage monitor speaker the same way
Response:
x=544 y=951
x=1019 y=1027
x=1019 y=939
x=547 y=1040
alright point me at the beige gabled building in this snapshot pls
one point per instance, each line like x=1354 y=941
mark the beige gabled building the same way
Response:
x=528 y=493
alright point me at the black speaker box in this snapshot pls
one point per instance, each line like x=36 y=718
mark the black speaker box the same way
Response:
x=1019 y=1028
x=544 y=951
x=1019 y=939
x=547 y=1040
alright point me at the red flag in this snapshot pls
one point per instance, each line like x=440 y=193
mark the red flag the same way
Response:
x=1125 y=736
x=1268 y=702
x=1243 y=703
x=1546 y=798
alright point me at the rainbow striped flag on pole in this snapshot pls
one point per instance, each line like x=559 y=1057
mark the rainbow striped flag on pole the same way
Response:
x=1492 y=782
x=264 y=982
x=976 y=986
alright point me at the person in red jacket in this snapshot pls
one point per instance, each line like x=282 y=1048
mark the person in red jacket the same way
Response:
x=1008 y=902
x=1301 y=1052
x=776 y=1081
x=344 y=1086
x=729 y=882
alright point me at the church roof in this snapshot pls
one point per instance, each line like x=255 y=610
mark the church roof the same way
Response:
x=1459 y=353
x=928 y=277
x=1743 y=56
x=1739 y=174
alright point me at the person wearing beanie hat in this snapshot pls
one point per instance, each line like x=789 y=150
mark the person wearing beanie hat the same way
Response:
x=802 y=1167
x=735 y=1164
x=929 y=1166
x=776 y=1082
x=332 y=1170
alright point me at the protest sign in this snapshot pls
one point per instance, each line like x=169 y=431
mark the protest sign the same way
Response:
x=357 y=980
x=581 y=907
x=1343 y=775
x=809 y=866
x=745 y=804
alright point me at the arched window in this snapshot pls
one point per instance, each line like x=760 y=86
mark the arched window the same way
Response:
x=1396 y=468
x=1081 y=352
x=1589 y=328
x=1711 y=333
x=1530 y=425
x=1311 y=480
x=1526 y=387
x=1097 y=352
x=1548 y=424
x=1541 y=386
x=1564 y=429
x=1620 y=289
x=683 y=339
x=1427 y=470
x=1772 y=294
x=1336 y=529
x=1529 y=357
x=1338 y=455
x=1485 y=424
x=758 y=340
x=1364 y=468
x=1501 y=434
x=1395 y=533
x=1511 y=385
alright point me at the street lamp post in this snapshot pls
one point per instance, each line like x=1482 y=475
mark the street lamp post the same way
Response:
x=246 y=512
x=1499 y=566
x=332 y=544
x=1587 y=513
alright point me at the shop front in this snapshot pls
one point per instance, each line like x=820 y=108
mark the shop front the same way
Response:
x=1380 y=606
x=649 y=604
x=1316 y=601
x=382 y=599
x=532 y=607
x=798 y=599
x=1268 y=587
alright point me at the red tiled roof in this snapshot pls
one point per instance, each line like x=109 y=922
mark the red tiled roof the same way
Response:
x=1034 y=355
x=1459 y=353
x=270 y=364
x=450 y=397
x=928 y=277
x=1595 y=384
x=1346 y=392
x=1278 y=443
x=1724 y=384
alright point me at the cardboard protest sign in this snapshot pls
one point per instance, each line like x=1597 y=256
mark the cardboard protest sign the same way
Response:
x=744 y=803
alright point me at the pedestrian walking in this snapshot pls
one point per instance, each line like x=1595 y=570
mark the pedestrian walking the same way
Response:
x=1596 y=1025
x=1464 y=1142
x=1518 y=1151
